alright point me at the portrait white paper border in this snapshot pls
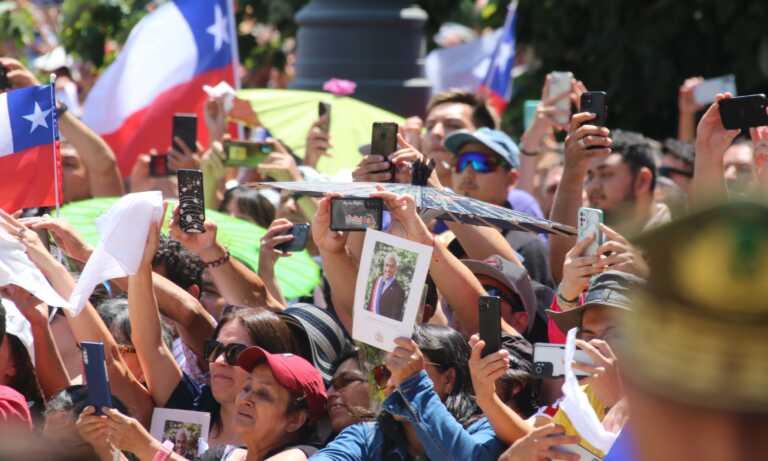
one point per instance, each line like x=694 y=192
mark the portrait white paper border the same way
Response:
x=161 y=415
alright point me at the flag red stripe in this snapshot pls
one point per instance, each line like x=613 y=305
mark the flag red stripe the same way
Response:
x=150 y=128
x=27 y=179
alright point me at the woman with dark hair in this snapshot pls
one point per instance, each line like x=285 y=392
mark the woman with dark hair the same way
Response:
x=248 y=204
x=349 y=395
x=429 y=411
x=18 y=372
x=238 y=329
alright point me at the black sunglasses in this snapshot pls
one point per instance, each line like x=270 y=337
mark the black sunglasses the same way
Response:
x=213 y=349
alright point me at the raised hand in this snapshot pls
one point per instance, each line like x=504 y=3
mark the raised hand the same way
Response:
x=621 y=255
x=279 y=165
x=604 y=380
x=686 y=104
x=486 y=370
x=585 y=141
x=202 y=244
x=712 y=139
x=187 y=158
x=541 y=445
x=404 y=361
x=578 y=269
x=65 y=236
x=318 y=143
x=403 y=210
x=18 y=75
x=35 y=249
x=327 y=240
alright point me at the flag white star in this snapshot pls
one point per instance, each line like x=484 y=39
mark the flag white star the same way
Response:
x=505 y=52
x=37 y=118
x=218 y=29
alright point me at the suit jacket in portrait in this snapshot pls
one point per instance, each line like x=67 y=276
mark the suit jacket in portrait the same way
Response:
x=391 y=301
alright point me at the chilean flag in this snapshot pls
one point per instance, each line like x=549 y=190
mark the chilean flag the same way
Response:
x=168 y=57
x=30 y=171
x=497 y=85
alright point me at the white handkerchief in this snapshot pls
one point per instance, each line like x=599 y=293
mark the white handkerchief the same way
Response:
x=17 y=269
x=222 y=90
x=576 y=405
x=18 y=325
x=123 y=229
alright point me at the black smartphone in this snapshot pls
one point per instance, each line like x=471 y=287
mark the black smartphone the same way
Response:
x=245 y=153
x=184 y=128
x=158 y=166
x=300 y=234
x=96 y=377
x=384 y=142
x=324 y=108
x=191 y=201
x=597 y=103
x=356 y=214
x=744 y=111
x=490 y=323
x=5 y=84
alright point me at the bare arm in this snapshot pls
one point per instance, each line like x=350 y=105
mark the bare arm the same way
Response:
x=103 y=174
x=686 y=110
x=712 y=140
x=481 y=242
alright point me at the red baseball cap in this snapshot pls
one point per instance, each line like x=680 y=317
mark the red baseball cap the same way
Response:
x=292 y=372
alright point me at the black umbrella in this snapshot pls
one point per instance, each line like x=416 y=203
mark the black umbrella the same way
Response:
x=436 y=203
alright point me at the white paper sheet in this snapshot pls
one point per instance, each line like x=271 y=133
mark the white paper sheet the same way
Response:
x=123 y=229
x=18 y=325
x=575 y=404
x=17 y=269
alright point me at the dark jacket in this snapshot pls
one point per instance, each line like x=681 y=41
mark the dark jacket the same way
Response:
x=392 y=300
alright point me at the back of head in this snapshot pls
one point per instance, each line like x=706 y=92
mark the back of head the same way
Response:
x=482 y=115
x=264 y=327
x=179 y=265
x=637 y=151
x=74 y=399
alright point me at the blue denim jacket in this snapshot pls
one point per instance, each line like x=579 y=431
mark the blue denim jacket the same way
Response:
x=443 y=438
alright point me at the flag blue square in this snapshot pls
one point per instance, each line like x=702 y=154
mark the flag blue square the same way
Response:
x=31 y=112
x=210 y=22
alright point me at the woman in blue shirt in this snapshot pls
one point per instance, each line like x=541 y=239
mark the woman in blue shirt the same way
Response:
x=429 y=412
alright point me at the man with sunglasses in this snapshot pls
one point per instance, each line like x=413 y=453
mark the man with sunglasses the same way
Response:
x=485 y=166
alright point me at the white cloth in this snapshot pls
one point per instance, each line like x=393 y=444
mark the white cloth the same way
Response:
x=17 y=269
x=576 y=405
x=18 y=325
x=224 y=91
x=123 y=229
x=463 y=66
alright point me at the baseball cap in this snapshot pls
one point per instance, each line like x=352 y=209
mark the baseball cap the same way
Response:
x=318 y=329
x=496 y=140
x=609 y=289
x=512 y=276
x=697 y=330
x=292 y=372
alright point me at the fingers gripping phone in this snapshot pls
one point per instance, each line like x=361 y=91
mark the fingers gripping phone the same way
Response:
x=384 y=142
x=184 y=128
x=744 y=111
x=490 y=323
x=356 y=214
x=300 y=234
x=589 y=224
x=324 y=108
x=559 y=83
x=191 y=201
x=548 y=360
x=96 y=377
x=595 y=102
x=246 y=153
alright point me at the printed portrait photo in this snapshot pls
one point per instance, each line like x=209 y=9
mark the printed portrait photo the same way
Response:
x=389 y=280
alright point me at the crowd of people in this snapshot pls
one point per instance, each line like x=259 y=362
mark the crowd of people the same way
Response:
x=668 y=308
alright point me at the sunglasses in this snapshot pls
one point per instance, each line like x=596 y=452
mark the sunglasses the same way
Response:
x=481 y=163
x=213 y=349
x=344 y=380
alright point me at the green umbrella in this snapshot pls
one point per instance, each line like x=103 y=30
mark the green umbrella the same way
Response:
x=297 y=275
x=288 y=114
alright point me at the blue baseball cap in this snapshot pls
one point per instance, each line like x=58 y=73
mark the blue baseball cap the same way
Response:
x=495 y=140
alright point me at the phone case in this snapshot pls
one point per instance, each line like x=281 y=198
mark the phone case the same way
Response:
x=560 y=83
x=349 y=214
x=744 y=111
x=191 y=201
x=300 y=234
x=245 y=153
x=529 y=112
x=490 y=323
x=96 y=377
x=548 y=360
x=597 y=103
x=184 y=127
x=324 y=108
x=589 y=224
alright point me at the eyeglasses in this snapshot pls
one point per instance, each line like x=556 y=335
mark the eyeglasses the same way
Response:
x=213 y=349
x=481 y=163
x=344 y=380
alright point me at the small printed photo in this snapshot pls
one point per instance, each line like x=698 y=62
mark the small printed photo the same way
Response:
x=188 y=430
x=389 y=287
x=356 y=214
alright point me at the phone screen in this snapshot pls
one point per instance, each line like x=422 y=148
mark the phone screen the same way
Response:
x=184 y=128
x=356 y=214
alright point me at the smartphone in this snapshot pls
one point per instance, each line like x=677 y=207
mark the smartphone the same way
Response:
x=744 y=111
x=324 y=108
x=589 y=224
x=529 y=112
x=548 y=360
x=300 y=234
x=584 y=454
x=158 y=166
x=705 y=92
x=184 y=128
x=245 y=153
x=5 y=84
x=490 y=323
x=96 y=377
x=597 y=103
x=559 y=83
x=384 y=141
x=191 y=201
x=356 y=214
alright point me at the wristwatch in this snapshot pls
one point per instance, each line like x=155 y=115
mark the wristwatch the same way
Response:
x=61 y=108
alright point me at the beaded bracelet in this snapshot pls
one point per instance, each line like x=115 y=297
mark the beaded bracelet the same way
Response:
x=217 y=262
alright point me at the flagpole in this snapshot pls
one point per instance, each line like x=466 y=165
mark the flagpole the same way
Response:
x=54 y=131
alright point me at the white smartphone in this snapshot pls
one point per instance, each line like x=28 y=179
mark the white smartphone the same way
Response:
x=589 y=224
x=704 y=93
x=548 y=360
x=559 y=83
x=584 y=454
